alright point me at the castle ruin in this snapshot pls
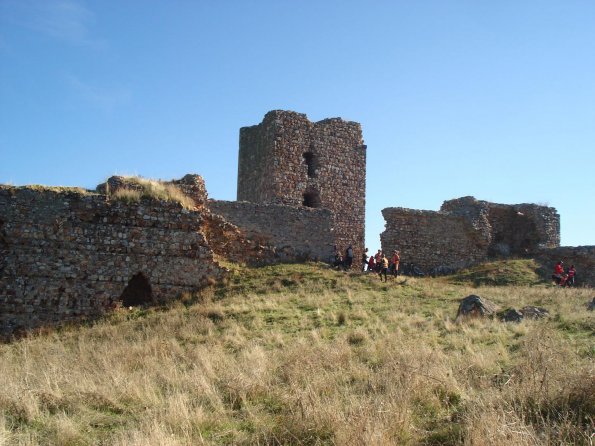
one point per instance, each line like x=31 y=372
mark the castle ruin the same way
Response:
x=289 y=160
x=68 y=254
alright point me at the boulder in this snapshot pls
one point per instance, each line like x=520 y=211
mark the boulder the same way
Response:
x=476 y=306
x=531 y=312
x=511 y=315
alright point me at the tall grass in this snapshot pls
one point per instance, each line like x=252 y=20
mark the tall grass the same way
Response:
x=303 y=355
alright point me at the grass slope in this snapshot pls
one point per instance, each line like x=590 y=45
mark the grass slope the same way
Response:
x=509 y=272
x=304 y=355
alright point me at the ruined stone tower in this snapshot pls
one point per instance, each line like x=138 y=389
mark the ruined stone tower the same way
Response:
x=287 y=159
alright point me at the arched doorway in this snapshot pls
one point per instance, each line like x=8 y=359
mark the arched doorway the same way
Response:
x=137 y=292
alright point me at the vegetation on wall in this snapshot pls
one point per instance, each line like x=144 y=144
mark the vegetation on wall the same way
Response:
x=138 y=187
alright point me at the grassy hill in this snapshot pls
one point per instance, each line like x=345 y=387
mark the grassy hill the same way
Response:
x=510 y=272
x=305 y=355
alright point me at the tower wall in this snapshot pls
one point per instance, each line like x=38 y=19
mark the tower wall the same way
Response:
x=289 y=160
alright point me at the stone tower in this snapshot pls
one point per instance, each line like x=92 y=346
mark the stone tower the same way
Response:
x=287 y=159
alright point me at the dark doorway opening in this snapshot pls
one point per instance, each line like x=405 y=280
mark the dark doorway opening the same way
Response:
x=137 y=292
x=311 y=199
x=310 y=161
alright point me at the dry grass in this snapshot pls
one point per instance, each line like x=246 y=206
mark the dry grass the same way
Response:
x=303 y=355
x=66 y=190
x=152 y=189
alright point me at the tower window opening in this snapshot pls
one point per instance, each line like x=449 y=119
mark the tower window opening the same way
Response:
x=310 y=162
x=311 y=199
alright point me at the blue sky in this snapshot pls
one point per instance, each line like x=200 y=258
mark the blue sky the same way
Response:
x=455 y=98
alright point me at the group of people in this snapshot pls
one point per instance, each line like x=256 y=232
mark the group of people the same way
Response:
x=564 y=277
x=378 y=263
x=381 y=264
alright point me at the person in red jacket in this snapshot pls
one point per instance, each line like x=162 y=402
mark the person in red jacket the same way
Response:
x=570 y=275
x=559 y=275
x=371 y=264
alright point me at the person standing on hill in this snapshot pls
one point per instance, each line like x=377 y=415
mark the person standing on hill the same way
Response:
x=570 y=275
x=394 y=263
x=364 y=259
x=371 y=264
x=383 y=268
x=378 y=259
x=558 y=272
x=348 y=257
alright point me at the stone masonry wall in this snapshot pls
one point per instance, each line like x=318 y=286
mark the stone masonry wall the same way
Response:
x=256 y=163
x=293 y=232
x=289 y=160
x=68 y=255
x=511 y=230
x=467 y=231
x=431 y=239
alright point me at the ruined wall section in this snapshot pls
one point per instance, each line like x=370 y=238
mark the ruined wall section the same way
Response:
x=320 y=165
x=430 y=239
x=232 y=243
x=512 y=230
x=293 y=233
x=69 y=255
x=467 y=231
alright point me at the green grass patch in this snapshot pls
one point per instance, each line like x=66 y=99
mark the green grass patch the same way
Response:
x=521 y=272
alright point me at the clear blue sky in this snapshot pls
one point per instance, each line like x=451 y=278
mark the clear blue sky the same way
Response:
x=494 y=99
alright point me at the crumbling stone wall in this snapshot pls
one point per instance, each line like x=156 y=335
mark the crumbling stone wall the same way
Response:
x=68 y=254
x=286 y=159
x=467 y=231
x=431 y=239
x=233 y=244
x=510 y=230
x=255 y=234
x=294 y=233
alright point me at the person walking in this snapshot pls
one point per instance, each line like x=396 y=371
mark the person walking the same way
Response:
x=364 y=259
x=378 y=259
